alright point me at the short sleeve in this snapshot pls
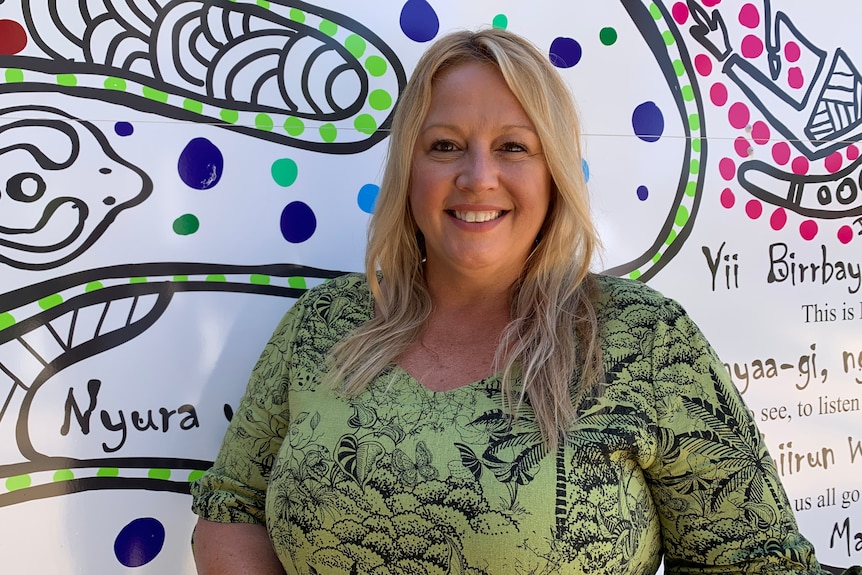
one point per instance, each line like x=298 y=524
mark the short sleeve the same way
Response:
x=233 y=490
x=720 y=500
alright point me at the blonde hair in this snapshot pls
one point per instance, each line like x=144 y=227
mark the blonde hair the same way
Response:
x=550 y=344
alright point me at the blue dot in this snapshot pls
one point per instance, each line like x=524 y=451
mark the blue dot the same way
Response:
x=298 y=222
x=565 y=52
x=585 y=166
x=648 y=122
x=201 y=164
x=419 y=21
x=124 y=129
x=643 y=193
x=139 y=542
x=367 y=197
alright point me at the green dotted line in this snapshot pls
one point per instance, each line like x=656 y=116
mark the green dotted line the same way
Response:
x=25 y=481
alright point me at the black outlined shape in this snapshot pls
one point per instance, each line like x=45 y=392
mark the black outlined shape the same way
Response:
x=61 y=186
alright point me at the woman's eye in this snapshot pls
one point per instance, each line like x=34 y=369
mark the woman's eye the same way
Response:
x=513 y=147
x=443 y=146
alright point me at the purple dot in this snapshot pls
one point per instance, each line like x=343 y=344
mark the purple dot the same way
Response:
x=643 y=193
x=728 y=199
x=760 y=133
x=792 y=52
x=703 y=64
x=298 y=222
x=718 y=94
x=124 y=129
x=778 y=219
x=845 y=234
x=201 y=164
x=739 y=115
x=781 y=153
x=752 y=47
x=727 y=169
x=648 y=122
x=754 y=209
x=139 y=542
x=419 y=21
x=808 y=230
x=565 y=52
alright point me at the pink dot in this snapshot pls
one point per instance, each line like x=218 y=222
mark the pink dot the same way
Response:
x=800 y=165
x=727 y=198
x=754 y=209
x=781 y=153
x=792 y=53
x=808 y=230
x=727 y=168
x=834 y=162
x=852 y=152
x=703 y=64
x=718 y=94
x=845 y=234
x=752 y=47
x=711 y=3
x=680 y=13
x=749 y=16
x=742 y=147
x=738 y=115
x=795 y=79
x=778 y=219
x=760 y=133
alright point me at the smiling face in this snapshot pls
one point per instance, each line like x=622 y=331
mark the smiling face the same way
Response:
x=480 y=188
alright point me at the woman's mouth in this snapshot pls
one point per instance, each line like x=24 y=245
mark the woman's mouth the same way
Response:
x=477 y=217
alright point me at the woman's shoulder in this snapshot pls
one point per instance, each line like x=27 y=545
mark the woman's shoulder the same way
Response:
x=616 y=292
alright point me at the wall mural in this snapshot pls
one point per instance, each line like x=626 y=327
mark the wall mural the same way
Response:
x=173 y=173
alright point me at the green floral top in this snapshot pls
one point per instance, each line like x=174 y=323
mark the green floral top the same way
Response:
x=667 y=463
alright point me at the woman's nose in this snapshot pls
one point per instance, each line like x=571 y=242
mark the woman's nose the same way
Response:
x=477 y=172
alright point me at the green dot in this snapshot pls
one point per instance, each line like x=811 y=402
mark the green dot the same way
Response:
x=365 y=124
x=328 y=27
x=112 y=83
x=635 y=274
x=159 y=474
x=694 y=167
x=376 y=66
x=355 y=45
x=6 y=320
x=138 y=280
x=108 y=472
x=263 y=4
x=294 y=126
x=670 y=238
x=14 y=75
x=694 y=122
x=681 y=216
x=193 y=106
x=229 y=116
x=655 y=11
x=260 y=280
x=687 y=93
x=328 y=132
x=380 y=100
x=284 y=172
x=297 y=282
x=51 y=301
x=297 y=15
x=156 y=95
x=608 y=36
x=500 y=21
x=656 y=258
x=695 y=144
x=668 y=37
x=264 y=122
x=691 y=189
x=216 y=278
x=63 y=475
x=67 y=80
x=181 y=278
x=93 y=286
x=679 y=68
x=186 y=225
x=18 y=482
x=195 y=475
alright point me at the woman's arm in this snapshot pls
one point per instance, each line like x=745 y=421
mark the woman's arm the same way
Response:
x=233 y=549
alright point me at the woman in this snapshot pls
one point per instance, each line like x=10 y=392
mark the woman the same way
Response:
x=478 y=402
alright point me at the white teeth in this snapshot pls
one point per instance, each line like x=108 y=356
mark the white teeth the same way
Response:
x=478 y=217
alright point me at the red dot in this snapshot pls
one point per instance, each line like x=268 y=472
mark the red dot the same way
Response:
x=752 y=47
x=800 y=165
x=808 y=230
x=749 y=16
x=778 y=219
x=703 y=64
x=792 y=53
x=738 y=115
x=718 y=94
x=711 y=3
x=742 y=147
x=845 y=234
x=833 y=162
x=13 y=37
x=795 y=79
x=727 y=198
x=754 y=209
x=727 y=168
x=781 y=153
x=680 y=13
x=852 y=152
x=760 y=133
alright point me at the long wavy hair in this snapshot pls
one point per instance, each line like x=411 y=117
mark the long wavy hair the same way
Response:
x=548 y=355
